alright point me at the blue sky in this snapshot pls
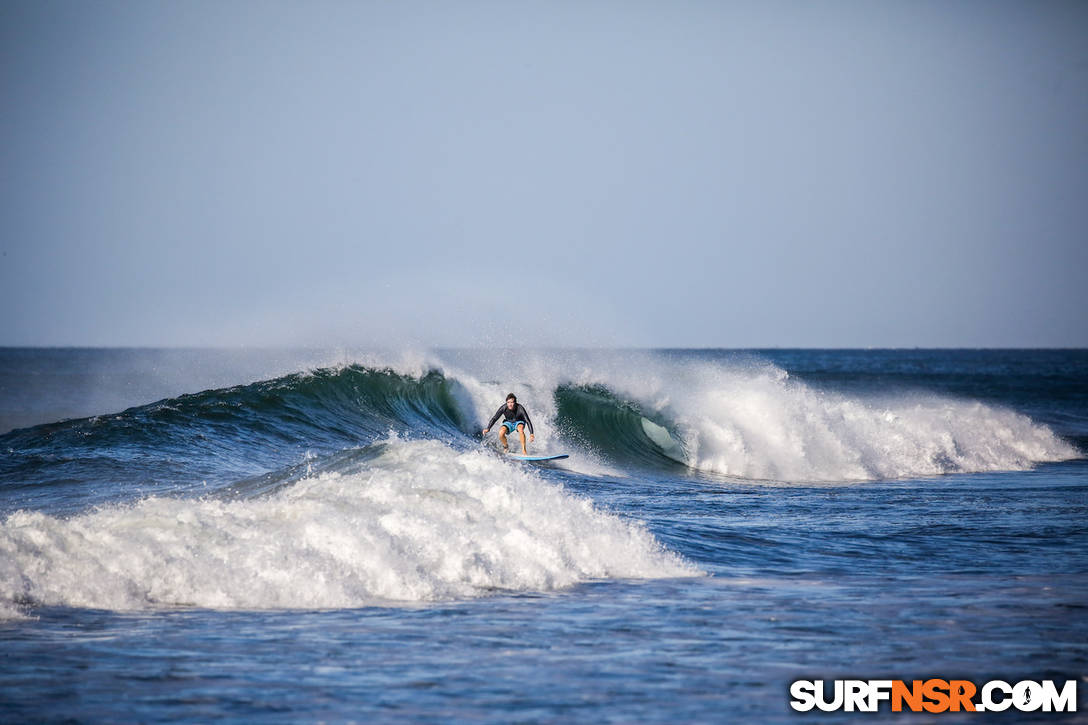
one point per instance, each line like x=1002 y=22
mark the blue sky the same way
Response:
x=818 y=174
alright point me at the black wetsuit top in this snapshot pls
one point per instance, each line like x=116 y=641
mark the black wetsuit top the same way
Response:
x=518 y=413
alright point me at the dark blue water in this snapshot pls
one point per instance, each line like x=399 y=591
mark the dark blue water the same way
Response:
x=280 y=537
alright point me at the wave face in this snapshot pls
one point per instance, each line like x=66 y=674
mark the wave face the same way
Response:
x=215 y=437
x=368 y=484
x=408 y=521
x=742 y=418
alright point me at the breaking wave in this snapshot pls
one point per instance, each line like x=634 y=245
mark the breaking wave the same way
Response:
x=409 y=521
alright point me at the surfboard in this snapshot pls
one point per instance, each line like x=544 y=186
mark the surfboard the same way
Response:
x=541 y=458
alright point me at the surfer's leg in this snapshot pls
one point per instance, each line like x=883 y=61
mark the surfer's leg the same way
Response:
x=521 y=432
x=502 y=437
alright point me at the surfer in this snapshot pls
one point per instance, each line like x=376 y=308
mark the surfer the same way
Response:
x=516 y=418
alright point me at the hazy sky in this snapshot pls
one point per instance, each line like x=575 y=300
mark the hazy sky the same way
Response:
x=733 y=174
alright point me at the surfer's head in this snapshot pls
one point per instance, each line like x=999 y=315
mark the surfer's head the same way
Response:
x=511 y=400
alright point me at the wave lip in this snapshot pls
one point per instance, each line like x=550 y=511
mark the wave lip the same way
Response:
x=421 y=523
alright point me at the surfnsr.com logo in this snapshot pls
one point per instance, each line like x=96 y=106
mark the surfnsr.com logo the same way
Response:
x=933 y=696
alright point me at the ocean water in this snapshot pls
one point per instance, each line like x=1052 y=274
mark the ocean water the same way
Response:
x=303 y=536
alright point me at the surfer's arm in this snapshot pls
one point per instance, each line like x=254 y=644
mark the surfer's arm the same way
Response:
x=494 y=418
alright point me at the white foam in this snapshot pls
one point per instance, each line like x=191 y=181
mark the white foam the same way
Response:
x=752 y=420
x=421 y=523
x=764 y=425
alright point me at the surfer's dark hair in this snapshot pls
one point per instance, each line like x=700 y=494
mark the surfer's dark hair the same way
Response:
x=512 y=397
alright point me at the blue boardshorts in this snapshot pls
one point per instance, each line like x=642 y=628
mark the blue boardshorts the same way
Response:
x=512 y=425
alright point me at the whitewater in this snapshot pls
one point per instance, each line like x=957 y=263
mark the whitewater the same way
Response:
x=797 y=505
x=420 y=522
